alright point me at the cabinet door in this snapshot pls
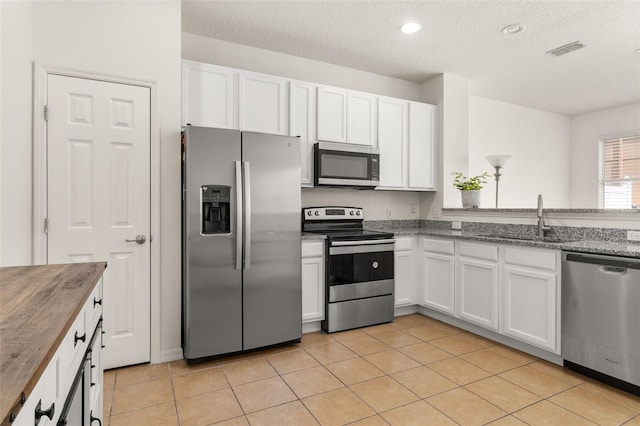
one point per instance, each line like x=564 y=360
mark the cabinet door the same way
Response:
x=530 y=306
x=361 y=118
x=392 y=142
x=421 y=156
x=403 y=270
x=332 y=114
x=477 y=289
x=263 y=103
x=302 y=123
x=313 y=285
x=438 y=281
x=208 y=96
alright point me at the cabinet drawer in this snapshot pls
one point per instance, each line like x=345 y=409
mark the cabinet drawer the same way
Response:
x=313 y=249
x=94 y=308
x=73 y=348
x=403 y=243
x=438 y=246
x=533 y=258
x=479 y=251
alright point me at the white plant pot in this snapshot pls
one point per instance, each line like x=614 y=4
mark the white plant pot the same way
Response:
x=470 y=198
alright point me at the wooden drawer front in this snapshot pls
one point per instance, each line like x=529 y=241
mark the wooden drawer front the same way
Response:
x=479 y=251
x=313 y=249
x=438 y=246
x=403 y=243
x=94 y=308
x=532 y=257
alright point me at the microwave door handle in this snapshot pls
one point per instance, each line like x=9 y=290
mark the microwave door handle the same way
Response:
x=247 y=215
x=238 y=215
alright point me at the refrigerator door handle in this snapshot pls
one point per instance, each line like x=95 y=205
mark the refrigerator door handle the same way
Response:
x=247 y=215
x=238 y=215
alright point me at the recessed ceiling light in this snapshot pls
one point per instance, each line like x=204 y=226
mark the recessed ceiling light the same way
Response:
x=410 y=28
x=513 y=29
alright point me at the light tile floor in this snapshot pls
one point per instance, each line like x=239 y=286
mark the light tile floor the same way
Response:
x=415 y=371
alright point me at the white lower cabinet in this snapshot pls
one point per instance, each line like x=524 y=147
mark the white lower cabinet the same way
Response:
x=403 y=270
x=438 y=279
x=313 y=281
x=530 y=308
x=477 y=284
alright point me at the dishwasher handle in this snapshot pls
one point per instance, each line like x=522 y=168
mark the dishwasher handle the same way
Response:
x=613 y=270
x=616 y=264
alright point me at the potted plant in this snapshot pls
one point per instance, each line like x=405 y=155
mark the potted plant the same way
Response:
x=470 y=188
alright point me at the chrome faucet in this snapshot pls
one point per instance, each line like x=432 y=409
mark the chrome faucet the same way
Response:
x=542 y=228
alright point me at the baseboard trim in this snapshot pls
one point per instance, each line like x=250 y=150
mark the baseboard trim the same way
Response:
x=310 y=327
x=168 y=355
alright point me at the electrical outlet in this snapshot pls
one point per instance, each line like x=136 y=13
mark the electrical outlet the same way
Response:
x=456 y=225
x=388 y=213
x=413 y=208
x=633 y=235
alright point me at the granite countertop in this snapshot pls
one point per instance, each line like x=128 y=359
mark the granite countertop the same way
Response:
x=307 y=236
x=614 y=248
x=38 y=305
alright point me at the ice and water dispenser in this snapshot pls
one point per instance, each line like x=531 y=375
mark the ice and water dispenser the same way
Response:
x=215 y=203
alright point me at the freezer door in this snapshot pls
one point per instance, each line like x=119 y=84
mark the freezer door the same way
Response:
x=272 y=275
x=212 y=280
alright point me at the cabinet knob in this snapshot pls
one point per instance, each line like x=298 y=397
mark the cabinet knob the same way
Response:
x=49 y=412
x=76 y=338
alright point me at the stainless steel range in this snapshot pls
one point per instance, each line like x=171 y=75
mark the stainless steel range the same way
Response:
x=359 y=268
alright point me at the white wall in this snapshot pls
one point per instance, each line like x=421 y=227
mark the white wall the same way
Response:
x=132 y=39
x=15 y=137
x=539 y=143
x=586 y=131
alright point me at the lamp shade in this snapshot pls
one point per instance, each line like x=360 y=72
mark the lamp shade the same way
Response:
x=497 y=160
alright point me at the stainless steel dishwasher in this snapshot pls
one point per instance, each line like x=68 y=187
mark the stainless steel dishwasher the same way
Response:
x=601 y=317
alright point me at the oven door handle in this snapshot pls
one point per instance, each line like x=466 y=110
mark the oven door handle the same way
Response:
x=361 y=242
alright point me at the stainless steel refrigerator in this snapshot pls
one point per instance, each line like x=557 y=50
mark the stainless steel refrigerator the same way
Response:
x=241 y=268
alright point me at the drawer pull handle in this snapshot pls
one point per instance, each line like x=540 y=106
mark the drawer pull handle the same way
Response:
x=94 y=419
x=97 y=302
x=49 y=412
x=76 y=338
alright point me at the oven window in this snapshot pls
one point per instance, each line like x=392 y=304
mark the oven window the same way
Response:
x=345 y=166
x=360 y=267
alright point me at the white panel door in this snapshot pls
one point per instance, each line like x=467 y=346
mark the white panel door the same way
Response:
x=332 y=114
x=421 y=146
x=477 y=291
x=302 y=123
x=262 y=103
x=438 y=281
x=403 y=278
x=361 y=118
x=208 y=96
x=392 y=142
x=98 y=197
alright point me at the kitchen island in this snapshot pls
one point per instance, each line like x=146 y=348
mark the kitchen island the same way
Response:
x=39 y=307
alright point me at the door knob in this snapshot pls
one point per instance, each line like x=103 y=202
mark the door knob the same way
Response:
x=140 y=239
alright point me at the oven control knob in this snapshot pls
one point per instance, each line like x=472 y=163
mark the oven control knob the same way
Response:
x=309 y=212
x=317 y=213
x=352 y=213
x=358 y=213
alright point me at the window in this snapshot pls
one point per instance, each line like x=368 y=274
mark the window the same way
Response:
x=620 y=173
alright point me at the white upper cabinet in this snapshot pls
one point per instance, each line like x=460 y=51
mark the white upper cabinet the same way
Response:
x=392 y=142
x=208 y=96
x=302 y=123
x=406 y=139
x=422 y=119
x=361 y=118
x=332 y=114
x=263 y=103
x=346 y=116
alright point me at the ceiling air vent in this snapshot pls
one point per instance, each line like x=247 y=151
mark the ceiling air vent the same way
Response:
x=567 y=48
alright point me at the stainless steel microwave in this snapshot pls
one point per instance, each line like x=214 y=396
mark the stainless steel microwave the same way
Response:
x=341 y=164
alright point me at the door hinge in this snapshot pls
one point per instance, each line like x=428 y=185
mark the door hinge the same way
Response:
x=46 y=113
x=46 y=225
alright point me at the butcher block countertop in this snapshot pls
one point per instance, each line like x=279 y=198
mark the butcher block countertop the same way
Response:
x=38 y=305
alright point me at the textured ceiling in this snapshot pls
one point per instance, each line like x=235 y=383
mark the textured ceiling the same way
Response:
x=457 y=37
